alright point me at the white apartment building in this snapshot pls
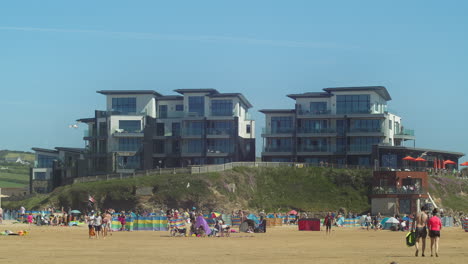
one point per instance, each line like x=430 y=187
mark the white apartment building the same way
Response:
x=339 y=125
x=142 y=129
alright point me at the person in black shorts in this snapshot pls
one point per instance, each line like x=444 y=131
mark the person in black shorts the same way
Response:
x=328 y=223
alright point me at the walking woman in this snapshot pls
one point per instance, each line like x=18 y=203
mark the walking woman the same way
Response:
x=435 y=225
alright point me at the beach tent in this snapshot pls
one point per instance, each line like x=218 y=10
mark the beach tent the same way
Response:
x=340 y=221
x=392 y=221
x=244 y=227
x=465 y=224
x=447 y=221
x=254 y=218
x=201 y=222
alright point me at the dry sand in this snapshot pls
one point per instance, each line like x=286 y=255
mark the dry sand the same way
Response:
x=279 y=245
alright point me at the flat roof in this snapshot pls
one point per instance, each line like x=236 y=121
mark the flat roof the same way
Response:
x=381 y=90
x=111 y=92
x=459 y=154
x=238 y=95
x=52 y=151
x=197 y=90
x=309 y=95
x=77 y=150
x=273 y=111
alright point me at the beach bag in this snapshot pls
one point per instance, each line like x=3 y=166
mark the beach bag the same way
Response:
x=411 y=239
x=91 y=231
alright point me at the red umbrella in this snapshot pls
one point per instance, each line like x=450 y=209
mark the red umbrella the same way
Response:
x=292 y=212
x=419 y=159
x=464 y=163
x=408 y=158
x=449 y=162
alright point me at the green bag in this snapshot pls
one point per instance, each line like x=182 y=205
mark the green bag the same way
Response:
x=411 y=239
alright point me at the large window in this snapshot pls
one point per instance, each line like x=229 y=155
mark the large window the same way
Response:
x=158 y=146
x=194 y=128
x=194 y=146
x=366 y=125
x=40 y=176
x=281 y=124
x=220 y=146
x=279 y=145
x=128 y=162
x=221 y=107
x=220 y=127
x=197 y=105
x=124 y=105
x=318 y=108
x=176 y=129
x=364 y=144
x=179 y=107
x=350 y=104
x=130 y=125
x=312 y=144
x=313 y=126
x=44 y=161
x=129 y=144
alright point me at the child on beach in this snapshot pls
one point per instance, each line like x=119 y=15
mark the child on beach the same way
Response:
x=30 y=218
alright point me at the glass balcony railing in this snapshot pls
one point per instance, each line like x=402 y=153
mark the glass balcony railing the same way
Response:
x=219 y=131
x=169 y=115
x=314 y=112
x=316 y=130
x=365 y=130
x=360 y=148
x=279 y=130
x=193 y=132
x=278 y=149
x=219 y=150
x=405 y=132
x=327 y=148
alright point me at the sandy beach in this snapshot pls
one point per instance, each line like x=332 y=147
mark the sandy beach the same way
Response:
x=279 y=245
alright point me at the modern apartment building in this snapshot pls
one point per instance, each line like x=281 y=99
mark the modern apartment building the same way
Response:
x=56 y=167
x=339 y=125
x=143 y=129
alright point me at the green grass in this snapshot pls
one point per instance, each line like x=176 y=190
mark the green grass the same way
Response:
x=8 y=184
x=14 y=178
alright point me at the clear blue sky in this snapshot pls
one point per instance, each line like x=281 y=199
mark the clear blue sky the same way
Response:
x=54 y=55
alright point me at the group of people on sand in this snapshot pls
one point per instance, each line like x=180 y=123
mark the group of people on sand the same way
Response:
x=99 y=224
x=192 y=223
x=422 y=224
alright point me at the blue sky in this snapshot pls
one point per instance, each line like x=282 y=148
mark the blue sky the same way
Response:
x=54 y=55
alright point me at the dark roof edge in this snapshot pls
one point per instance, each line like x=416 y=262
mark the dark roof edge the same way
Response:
x=77 y=150
x=423 y=150
x=381 y=90
x=265 y=111
x=45 y=150
x=86 y=120
x=106 y=92
x=197 y=90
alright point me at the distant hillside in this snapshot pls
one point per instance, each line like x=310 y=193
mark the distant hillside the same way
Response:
x=25 y=156
x=14 y=175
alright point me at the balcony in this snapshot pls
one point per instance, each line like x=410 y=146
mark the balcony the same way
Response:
x=361 y=131
x=330 y=132
x=124 y=133
x=395 y=190
x=278 y=150
x=172 y=115
x=193 y=132
x=219 y=132
x=277 y=132
x=306 y=113
x=405 y=134
x=213 y=151
x=315 y=149
x=360 y=149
